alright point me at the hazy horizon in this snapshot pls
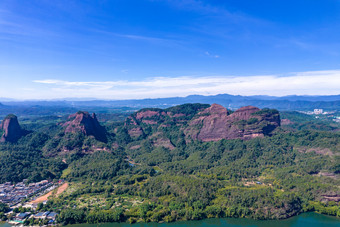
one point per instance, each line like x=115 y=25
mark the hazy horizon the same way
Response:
x=74 y=99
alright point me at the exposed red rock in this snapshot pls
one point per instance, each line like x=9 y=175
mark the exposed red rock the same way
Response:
x=286 y=122
x=149 y=122
x=244 y=113
x=163 y=142
x=213 y=121
x=214 y=124
x=207 y=123
x=175 y=115
x=146 y=114
x=85 y=123
x=12 y=129
x=335 y=198
x=135 y=132
x=215 y=109
x=130 y=121
x=135 y=147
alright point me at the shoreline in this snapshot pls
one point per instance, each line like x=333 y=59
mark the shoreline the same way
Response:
x=242 y=219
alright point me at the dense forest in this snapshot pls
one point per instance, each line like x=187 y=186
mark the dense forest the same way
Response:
x=164 y=175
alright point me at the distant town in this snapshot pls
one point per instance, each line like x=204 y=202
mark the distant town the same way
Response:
x=331 y=114
x=14 y=194
x=21 y=199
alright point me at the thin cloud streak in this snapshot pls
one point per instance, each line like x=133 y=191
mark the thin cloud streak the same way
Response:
x=136 y=37
x=208 y=9
x=300 y=83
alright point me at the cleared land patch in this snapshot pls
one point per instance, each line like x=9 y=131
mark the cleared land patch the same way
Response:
x=44 y=198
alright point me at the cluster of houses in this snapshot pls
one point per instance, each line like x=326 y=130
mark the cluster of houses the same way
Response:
x=13 y=194
x=21 y=217
x=332 y=115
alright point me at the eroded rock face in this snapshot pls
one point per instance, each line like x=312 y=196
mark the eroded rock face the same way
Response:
x=213 y=124
x=205 y=123
x=12 y=130
x=146 y=116
x=248 y=122
x=286 y=122
x=244 y=113
x=87 y=124
x=136 y=132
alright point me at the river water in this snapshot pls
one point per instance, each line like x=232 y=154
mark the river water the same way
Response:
x=303 y=220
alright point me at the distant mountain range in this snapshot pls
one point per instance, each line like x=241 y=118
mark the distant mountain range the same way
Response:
x=294 y=102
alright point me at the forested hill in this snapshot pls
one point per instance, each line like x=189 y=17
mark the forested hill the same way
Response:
x=186 y=162
x=204 y=122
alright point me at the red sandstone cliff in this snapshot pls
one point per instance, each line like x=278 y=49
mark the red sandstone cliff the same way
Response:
x=210 y=123
x=248 y=122
x=12 y=129
x=85 y=123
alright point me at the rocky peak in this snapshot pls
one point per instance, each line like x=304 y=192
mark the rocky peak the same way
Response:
x=214 y=123
x=215 y=109
x=12 y=129
x=85 y=123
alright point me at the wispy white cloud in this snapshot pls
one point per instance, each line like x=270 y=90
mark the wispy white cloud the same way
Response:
x=300 y=83
x=213 y=10
x=143 y=38
x=13 y=24
x=211 y=55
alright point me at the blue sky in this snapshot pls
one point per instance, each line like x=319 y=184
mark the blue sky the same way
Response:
x=123 y=49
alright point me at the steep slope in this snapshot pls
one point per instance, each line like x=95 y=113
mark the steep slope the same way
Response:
x=80 y=133
x=12 y=130
x=248 y=122
x=85 y=123
x=204 y=122
x=157 y=125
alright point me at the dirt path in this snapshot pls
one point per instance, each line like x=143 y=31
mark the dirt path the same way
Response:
x=62 y=188
x=44 y=198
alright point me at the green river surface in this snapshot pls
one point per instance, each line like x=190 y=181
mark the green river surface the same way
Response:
x=303 y=220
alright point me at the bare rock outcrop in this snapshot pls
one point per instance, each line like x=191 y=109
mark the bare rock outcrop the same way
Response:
x=215 y=123
x=87 y=124
x=134 y=130
x=205 y=122
x=12 y=131
x=212 y=121
x=286 y=122
x=147 y=117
